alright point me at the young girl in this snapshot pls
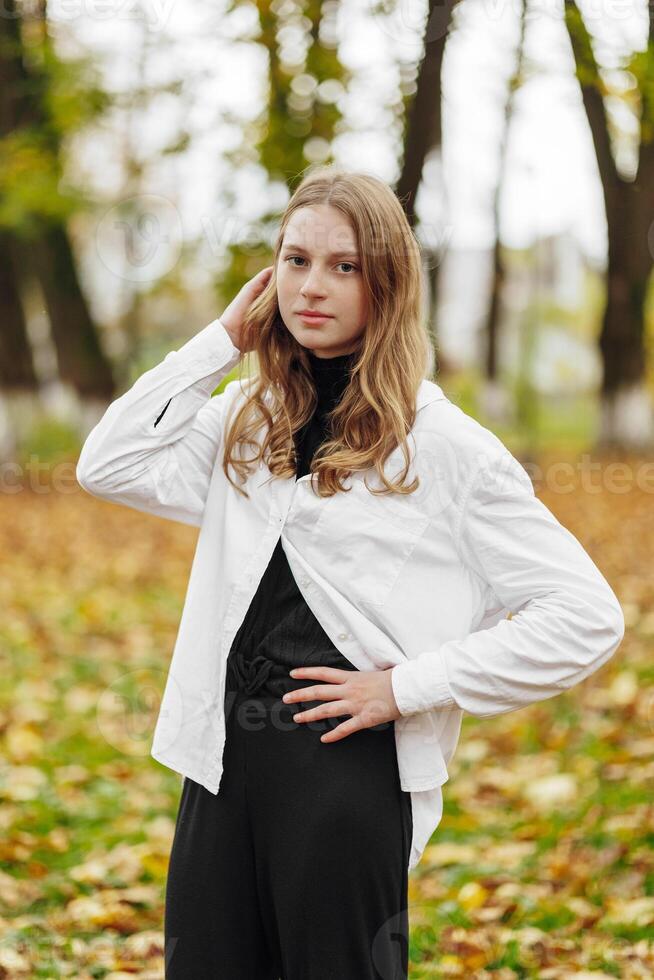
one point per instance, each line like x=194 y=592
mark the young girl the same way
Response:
x=348 y=599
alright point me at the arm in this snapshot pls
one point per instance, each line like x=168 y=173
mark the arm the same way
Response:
x=154 y=448
x=566 y=621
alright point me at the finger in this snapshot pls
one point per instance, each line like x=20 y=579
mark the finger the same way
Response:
x=342 y=731
x=331 y=710
x=321 y=673
x=325 y=692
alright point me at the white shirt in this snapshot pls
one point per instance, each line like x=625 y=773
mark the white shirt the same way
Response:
x=420 y=583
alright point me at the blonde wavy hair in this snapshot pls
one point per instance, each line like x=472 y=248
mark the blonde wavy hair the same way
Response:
x=377 y=409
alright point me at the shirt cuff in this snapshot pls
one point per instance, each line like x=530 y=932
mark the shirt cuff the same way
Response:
x=421 y=684
x=207 y=350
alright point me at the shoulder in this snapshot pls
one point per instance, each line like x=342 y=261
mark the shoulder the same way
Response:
x=464 y=452
x=443 y=421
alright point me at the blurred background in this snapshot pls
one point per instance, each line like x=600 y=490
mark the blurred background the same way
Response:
x=147 y=149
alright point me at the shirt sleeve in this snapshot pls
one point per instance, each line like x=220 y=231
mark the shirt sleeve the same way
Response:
x=155 y=446
x=565 y=619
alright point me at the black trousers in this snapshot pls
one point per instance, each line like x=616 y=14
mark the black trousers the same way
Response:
x=297 y=868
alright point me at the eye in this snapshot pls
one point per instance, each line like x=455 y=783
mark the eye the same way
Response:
x=290 y=258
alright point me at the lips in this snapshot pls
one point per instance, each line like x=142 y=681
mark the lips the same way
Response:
x=314 y=319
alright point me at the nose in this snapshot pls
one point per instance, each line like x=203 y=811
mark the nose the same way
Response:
x=312 y=285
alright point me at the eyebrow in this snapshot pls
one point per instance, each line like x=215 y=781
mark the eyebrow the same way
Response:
x=332 y=255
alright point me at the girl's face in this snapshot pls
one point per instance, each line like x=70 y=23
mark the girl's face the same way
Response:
x=319 y=269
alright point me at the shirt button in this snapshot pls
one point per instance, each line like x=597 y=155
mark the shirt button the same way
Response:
x=343 y=636
x=305 y=581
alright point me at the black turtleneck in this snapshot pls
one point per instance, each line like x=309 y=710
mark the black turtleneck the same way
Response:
x=279 y=630
x=330 y=377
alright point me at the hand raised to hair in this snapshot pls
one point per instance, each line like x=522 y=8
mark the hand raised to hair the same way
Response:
x=234 y=316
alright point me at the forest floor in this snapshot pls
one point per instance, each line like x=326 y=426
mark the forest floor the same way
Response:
x=543 y=863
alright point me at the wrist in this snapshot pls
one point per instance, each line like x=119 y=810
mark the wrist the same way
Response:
x=421 y=684
x=231 y=333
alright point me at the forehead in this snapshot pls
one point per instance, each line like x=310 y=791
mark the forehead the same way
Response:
x=324 y=230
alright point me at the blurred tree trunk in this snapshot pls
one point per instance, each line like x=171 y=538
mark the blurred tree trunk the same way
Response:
x=423 y=135
x=493 y=398
x=422 y=132
x=16 y=363
x=48 y=252
x=80 y=359
x=626 y=408
x=18 y=380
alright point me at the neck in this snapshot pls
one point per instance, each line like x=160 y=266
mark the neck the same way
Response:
x=330 y=376
x=332 y=359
